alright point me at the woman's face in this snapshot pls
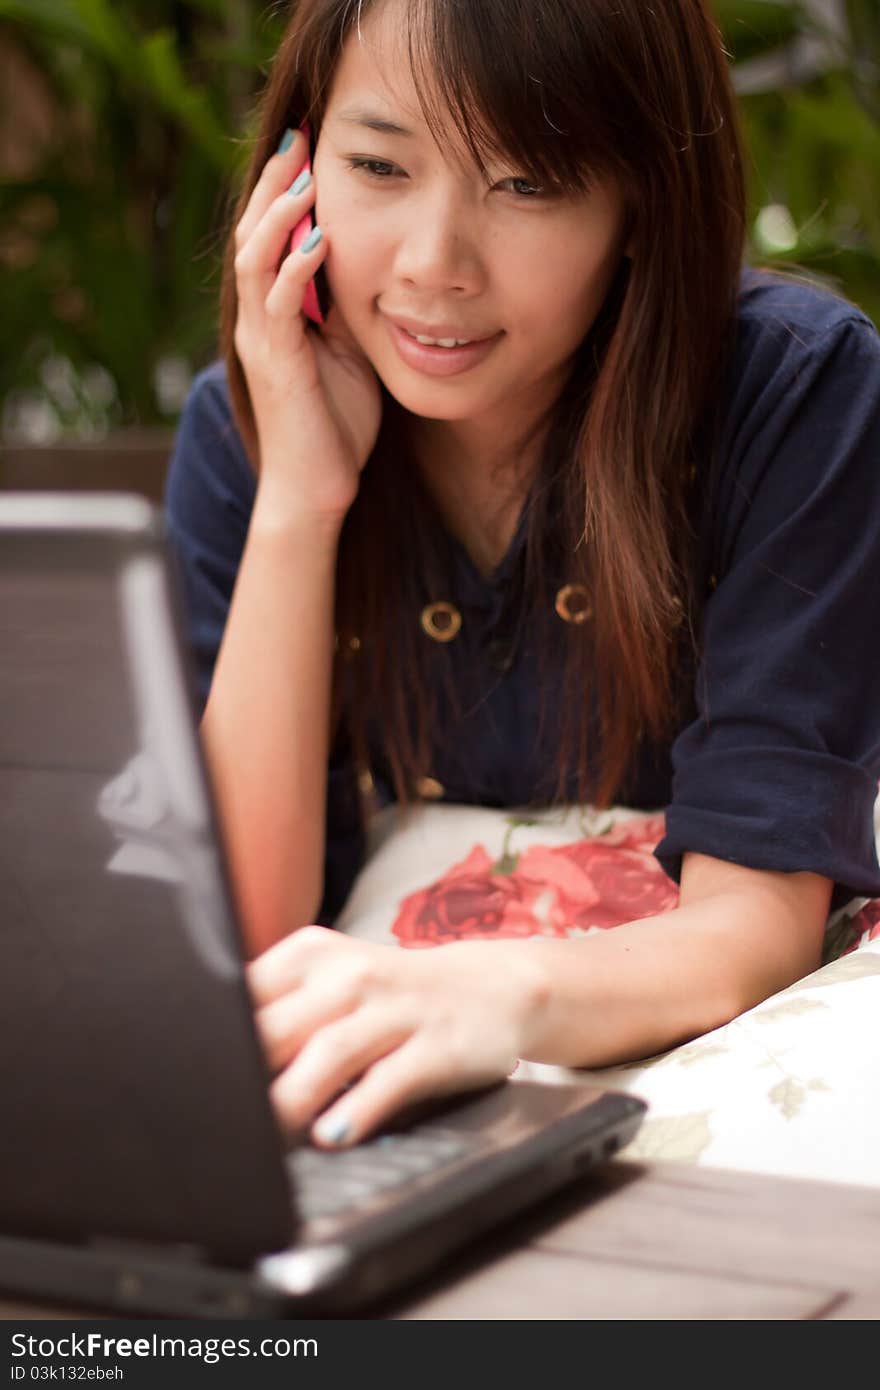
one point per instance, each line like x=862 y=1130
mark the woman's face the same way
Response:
x=417 y=235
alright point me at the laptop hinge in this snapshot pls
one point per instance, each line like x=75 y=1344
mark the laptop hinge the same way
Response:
x=176 y=1277
x=120 y=1247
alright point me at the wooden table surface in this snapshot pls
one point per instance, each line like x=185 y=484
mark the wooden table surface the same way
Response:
x=659 y=1241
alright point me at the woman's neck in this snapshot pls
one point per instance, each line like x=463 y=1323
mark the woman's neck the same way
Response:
x=477 y=482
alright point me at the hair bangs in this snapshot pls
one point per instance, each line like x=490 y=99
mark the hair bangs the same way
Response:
x=506 y=99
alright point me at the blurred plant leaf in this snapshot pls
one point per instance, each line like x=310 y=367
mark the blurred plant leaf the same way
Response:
x=164 y=76
x=751 y=27
x=110 y=241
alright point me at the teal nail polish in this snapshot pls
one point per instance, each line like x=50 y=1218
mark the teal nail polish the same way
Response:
x=301 y=181
x=311 y=240
x=286 y=141
x=333 y=1130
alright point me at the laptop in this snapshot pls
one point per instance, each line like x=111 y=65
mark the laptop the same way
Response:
x=141 y=1166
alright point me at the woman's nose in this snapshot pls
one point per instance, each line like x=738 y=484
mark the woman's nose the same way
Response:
x=438 y=248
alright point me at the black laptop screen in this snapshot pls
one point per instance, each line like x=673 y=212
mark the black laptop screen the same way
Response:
x=133 y=1094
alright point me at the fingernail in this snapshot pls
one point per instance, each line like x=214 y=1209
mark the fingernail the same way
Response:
x=333 y=1130
x=311 y=240
x=300 y=182
x=286 y=141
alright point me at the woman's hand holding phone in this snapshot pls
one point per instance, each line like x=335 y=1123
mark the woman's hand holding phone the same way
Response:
x=316 y=398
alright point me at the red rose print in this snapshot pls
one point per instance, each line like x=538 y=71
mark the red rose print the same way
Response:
x=629 y=883
x=470 y=901
x=865 y=926
x=639 y=832
x=543 y=891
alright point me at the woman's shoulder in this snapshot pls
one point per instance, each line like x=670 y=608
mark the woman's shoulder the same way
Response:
x=209 y=457
x=790 y=334
x=777 y=310
x=208 y=395
x=801 y=405
x=207 y=419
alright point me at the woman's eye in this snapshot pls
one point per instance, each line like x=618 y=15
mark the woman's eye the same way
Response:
x=374 y=168
x=527 y=189
x=381 y=170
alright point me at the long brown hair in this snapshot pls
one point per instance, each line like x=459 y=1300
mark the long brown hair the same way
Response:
x=569 y=90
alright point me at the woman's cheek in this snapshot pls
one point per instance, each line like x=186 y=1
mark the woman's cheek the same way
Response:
x=348 y=277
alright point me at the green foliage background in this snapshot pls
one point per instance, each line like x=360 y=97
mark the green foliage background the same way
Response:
x=110 y=241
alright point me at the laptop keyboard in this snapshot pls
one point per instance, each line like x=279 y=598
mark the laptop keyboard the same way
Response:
x=327 y=1183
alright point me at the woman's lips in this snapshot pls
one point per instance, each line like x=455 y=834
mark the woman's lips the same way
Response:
x=439 y=361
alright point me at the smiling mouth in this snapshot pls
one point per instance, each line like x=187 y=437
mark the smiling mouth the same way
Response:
x=440 y=357
x=439 y=342
x=442 y=338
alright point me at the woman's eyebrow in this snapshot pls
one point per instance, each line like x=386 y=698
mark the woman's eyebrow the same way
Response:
x=362 y=115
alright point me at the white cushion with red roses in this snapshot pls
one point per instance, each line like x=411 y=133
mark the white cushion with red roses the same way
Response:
x=789 y=1087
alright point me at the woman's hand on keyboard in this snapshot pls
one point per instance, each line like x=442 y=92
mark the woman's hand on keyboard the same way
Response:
x=392 y=1026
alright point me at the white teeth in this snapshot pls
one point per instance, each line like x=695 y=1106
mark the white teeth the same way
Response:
x=440 y=342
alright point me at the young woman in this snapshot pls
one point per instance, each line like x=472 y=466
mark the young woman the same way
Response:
x=622 y=546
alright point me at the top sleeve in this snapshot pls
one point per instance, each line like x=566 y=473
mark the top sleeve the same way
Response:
x=779 y=769
x=209 y=495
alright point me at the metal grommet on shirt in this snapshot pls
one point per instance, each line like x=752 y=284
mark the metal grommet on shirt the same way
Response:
x=349 y=646
x=430 y=788
x=369 y=797
x=441 y=621
x=573 y=603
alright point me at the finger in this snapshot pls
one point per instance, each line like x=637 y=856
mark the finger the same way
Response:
x=278 y=173
x=287 y=1024
x=257 y=261
x=285 y=299
x=283 y=966
x=411 y=1072
x=332 y=1058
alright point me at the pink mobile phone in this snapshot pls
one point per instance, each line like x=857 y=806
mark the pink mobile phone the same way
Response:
x=311 y=307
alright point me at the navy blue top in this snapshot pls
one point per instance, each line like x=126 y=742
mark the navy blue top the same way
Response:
x=776 y=764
